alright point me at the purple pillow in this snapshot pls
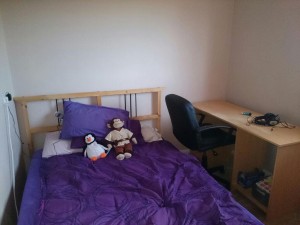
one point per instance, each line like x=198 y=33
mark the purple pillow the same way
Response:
x=135 y=127
x=78 y=142
x=80 y=119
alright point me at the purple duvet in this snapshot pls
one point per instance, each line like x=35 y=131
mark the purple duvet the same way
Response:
x=158 y=185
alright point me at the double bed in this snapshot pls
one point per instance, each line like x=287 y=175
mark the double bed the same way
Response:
x=158 y=185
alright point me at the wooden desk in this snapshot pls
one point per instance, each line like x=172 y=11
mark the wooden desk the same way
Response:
x=254 y=147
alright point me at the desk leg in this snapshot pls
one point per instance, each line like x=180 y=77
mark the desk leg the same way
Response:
x=285 y=193
x=251 y=152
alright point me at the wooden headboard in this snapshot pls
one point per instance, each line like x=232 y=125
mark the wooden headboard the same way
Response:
x=129 y=102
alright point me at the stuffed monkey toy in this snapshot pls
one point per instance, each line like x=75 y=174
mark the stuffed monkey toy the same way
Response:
x=120 y=138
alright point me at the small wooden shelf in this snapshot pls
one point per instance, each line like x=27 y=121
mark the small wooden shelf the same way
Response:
x=247 y=193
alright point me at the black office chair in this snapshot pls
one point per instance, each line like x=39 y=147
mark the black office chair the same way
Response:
x=193 y=133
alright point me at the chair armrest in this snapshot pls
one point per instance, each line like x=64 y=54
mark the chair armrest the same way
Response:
x=202 y=117
x=221 y=132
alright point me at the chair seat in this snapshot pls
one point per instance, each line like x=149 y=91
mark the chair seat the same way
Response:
x=215 y=138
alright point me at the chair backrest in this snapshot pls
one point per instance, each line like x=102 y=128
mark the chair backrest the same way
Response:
x=184 y=120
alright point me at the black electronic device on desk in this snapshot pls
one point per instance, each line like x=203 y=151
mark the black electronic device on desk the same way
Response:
x=269 y=119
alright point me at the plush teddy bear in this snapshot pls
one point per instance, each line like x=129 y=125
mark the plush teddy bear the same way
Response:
x=120 y=138
x=93 y=150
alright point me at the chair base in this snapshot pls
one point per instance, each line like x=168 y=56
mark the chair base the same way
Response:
x=225 y=183
x=215 y=169
x=212 y=170
x=216 y=173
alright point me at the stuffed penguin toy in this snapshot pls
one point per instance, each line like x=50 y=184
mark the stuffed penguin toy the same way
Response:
x=93 y=150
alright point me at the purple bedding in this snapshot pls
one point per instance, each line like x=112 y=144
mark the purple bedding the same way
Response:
x=157 y=186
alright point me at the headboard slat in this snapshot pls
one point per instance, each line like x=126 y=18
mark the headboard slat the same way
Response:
x=27 y=131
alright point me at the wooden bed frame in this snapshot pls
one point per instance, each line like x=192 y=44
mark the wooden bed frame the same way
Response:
x=27 y=130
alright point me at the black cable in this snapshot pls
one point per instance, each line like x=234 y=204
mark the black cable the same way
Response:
x=284 y=125
x=58 y=120
x=250 y=120
x=15 y=129
x=130 y=105
x=136 y=113
x=125 y=102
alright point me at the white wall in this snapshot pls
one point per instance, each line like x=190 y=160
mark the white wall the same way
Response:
x=265 y=62
x=6 y=204
x=72 y=46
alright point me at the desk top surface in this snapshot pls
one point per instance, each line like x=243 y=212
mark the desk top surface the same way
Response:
x=232 y=115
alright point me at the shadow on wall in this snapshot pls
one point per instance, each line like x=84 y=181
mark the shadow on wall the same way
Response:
x=9 y=215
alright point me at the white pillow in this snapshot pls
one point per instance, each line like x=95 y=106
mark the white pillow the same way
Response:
x=55 y=146
x=150 y=134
